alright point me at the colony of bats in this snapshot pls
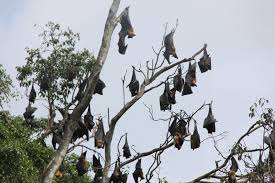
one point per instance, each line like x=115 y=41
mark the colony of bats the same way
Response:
x=178 y=128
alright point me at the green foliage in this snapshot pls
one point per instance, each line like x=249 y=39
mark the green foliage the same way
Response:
x=5 y=87
x=23 y=156
x=56 y=67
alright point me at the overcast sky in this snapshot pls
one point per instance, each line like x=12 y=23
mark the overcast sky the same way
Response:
x=240 y=38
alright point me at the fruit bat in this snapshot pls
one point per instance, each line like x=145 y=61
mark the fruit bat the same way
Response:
x=32 y=95
x=88 y=119
x=209 y=121
x=72 y=72
x=172 y=96
x=178 y=140
x=116 y=175
x=124 y=178
x=190 y=77
x=97 y=167
x=138 y=173
x=233 y=169
x=164 y=100
x=169 y=46
x=180 y=133
x=205 y=62
x=81 y=89
x=82 y=165
x=100 y=85
x=178 y=80
x=126 y=149
x=44 y=83
x=186 y=89
x=195 y=138
x=173 y=127
x=182 y=127
x=28 y=114
x=56 y=139
x=126 y=30
x=270 y=140
x=99 y=135
x=80 y=131
x=134 y=84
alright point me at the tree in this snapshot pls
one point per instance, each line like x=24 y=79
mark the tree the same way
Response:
x=68 y=79
x=24 y=156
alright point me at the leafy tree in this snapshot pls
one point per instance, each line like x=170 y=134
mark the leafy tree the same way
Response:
x=24 y=157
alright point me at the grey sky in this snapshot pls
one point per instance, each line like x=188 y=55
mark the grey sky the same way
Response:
x=240 y=38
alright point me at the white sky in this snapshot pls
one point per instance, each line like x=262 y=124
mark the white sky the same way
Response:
x=240 y=36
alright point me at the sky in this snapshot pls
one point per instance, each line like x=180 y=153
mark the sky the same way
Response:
x=240 y=38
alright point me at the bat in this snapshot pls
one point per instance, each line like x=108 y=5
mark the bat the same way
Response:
x=126 y=149
x=164 y=100
x=209 y=121
x=138 y=173
x=173 y=127
x=82 y=165
x=56 y=139
x=180 y=133
x=190 y=77
x=71 y=72
x=99 y=135
x=126 y=30
x=134 y=84
x=32 y=95
x=205 y=62
x=169 y=46
x=187 y=90
x=116 y=177
x=80 y=131
x=81 y=89
x=172 y=96
x=124 y=178
x=44 y=82
x=195 y=138
x=100 y=85
x=97 y=167
x=178 y=81
x=233 y=169
x=28 y=114
x=88 y=119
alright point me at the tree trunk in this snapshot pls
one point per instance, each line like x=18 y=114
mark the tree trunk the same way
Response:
x=61 y=152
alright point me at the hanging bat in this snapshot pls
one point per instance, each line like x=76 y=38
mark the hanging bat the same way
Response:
x=99 y=135
x=164 y=100
x=97 y=167
x=80 y=131
x=172 y=96
x=82 y=165
x=195 y=139
x=270 y=140
x=116 y=177
x=81 y=90
x=190 y=77
x=56 y=138
x=138 y=173
x=187 y=90
x=28 y=114
x=126 y=149
x=71 y=72
x=178 y=80
x=44 y=83
x=180 y=133
x=126 y=30
x=32 y=95
x=209 y=121
x=182 y=127
x=88 y=119
x=169 y=46
x=173 y=127
x=205 y=62
x=124 y=178
x=178 y=140
x=233 y=169
x=134 y=84
x=100 y=85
